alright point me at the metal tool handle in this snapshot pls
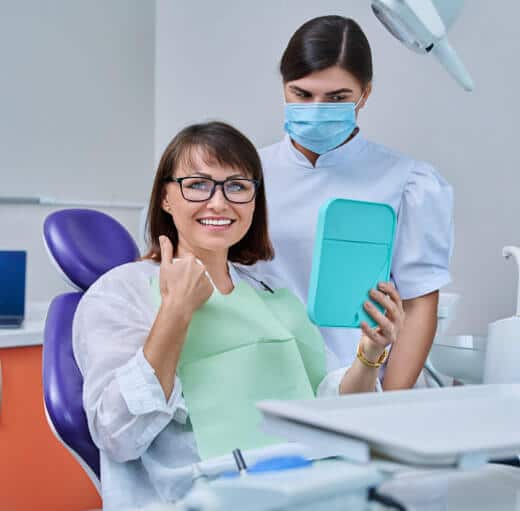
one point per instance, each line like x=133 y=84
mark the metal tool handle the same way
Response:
x=239 y=460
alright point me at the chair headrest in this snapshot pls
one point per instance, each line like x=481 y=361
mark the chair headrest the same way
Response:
x=84 y=244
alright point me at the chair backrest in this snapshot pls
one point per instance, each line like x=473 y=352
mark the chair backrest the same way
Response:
x=83 y=245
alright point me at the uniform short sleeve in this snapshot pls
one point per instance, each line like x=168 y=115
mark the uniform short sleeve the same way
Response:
x=424 y=237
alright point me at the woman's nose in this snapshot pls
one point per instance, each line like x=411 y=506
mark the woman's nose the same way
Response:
x=218 y=201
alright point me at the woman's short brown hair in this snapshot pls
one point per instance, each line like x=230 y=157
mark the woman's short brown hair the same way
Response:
x=220 y=143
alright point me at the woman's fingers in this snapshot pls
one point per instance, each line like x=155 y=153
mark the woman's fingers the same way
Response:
x=374 y=335
x=389 y=289
x=385 y=301
x=389 y=323
x=166 y=250
x=166 y=261
x=384 y=323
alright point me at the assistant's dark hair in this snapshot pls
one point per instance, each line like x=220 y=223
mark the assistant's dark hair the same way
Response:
x=214 y=143
x=324 y=42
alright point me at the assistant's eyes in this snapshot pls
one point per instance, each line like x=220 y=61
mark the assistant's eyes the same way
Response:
x=337 y=98
x=301 y=94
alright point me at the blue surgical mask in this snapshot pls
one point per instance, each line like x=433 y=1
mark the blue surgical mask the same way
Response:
x=320 y=127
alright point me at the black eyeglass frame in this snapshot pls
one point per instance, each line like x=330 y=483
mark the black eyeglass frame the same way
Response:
x=256 y=184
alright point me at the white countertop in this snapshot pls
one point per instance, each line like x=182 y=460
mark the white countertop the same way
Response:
x=490 y=487
x=31 y=331
x=464 y=342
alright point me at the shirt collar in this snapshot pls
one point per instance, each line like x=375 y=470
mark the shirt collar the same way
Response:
x=342 y=154
x=233 y=274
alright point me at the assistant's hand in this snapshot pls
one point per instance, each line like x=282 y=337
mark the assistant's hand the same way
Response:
x=183 y=283
x=389 y=324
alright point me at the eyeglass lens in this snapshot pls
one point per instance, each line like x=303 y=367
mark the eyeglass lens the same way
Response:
x=235 y=190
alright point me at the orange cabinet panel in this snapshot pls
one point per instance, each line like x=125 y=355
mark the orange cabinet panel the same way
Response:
x=36 y=471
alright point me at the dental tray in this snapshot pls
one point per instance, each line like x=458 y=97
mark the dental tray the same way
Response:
x=453 y=426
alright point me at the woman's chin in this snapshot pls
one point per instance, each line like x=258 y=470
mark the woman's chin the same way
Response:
x=210 y=244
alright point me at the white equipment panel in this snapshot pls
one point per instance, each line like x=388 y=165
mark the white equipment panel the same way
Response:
x=456 y=426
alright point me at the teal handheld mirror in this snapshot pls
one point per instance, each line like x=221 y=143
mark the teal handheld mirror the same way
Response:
x=352 y=253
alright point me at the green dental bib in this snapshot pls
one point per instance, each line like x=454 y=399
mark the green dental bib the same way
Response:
x=242 y=348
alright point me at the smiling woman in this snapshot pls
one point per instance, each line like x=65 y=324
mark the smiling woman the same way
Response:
x=198 y=161
x=186 y=332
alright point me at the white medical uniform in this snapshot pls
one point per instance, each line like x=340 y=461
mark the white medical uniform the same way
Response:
x=146 y=443
x=359 y=170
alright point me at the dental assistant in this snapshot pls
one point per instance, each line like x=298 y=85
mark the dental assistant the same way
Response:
x=327 y=79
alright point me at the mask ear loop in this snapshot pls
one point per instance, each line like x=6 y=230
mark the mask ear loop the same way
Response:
x=359 y=100
x=284 y=102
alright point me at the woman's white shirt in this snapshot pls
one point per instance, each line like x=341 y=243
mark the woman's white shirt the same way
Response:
x=147 y=446
x=359 y=170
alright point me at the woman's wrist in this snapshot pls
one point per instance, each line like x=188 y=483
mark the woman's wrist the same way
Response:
x=371 y=350
x=176 y=313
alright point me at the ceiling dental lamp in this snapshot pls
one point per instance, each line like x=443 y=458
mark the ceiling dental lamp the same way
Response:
x=422 y=26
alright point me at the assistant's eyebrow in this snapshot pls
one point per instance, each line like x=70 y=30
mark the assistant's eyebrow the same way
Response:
x=339 y=91
x=331 y=93
x=299 y=89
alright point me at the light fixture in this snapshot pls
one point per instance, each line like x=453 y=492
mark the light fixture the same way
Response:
x=422 y=26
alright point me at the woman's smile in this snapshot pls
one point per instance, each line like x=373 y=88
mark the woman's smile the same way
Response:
x=216 y=223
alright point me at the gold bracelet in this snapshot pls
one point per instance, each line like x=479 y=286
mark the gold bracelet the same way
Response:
x=369 y=363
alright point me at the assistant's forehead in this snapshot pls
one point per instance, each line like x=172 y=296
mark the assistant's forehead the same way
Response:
x=332 y=78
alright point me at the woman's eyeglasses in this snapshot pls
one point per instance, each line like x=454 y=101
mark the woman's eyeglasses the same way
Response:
x=239 y=190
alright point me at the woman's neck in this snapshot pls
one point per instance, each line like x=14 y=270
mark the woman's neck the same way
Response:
x=216 y=265
x=218 y=270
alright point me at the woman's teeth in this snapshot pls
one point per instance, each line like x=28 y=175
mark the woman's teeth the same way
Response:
x=204 y=221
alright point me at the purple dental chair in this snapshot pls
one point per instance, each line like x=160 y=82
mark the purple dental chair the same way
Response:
x=83 y=245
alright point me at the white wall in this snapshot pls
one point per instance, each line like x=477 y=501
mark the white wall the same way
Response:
x=77 y=112
x=76 y=115
x=76 y=98
x=219 y=60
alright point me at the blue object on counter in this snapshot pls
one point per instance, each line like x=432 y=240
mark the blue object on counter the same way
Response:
x=276 y=464
x=12 y=287
x=279 y=463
